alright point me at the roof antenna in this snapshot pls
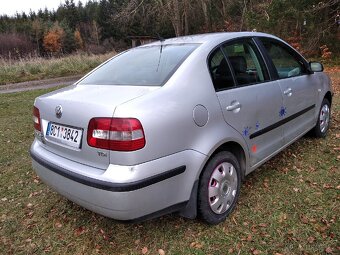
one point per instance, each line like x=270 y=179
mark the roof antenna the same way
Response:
x=160 y=50
x=160 y=37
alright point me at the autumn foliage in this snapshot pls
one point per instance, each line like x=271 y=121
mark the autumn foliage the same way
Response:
x=53 y=40
x=78 y=39
x=325 y=52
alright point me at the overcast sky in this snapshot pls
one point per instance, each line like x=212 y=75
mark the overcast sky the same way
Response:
x=10 y=7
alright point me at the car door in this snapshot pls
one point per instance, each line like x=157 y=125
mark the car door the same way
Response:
x=299 y=89
x=249 y=99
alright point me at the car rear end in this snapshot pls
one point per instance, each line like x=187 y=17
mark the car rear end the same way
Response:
x=90 y=151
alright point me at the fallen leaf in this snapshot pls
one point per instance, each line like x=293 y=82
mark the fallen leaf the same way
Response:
x=198 y=245
x=256 y=252
x=161 y=252
x=79 y=231
x=4 y=199
x=282 y=217
x=311 y=239
x=144 y=250
x=58 y=224
x=29 y=205
x=329 y=250
x=304 y=219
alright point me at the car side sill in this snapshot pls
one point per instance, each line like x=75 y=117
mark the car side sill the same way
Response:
x=109 y=186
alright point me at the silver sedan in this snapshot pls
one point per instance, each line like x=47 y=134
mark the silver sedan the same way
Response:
x=176 y=125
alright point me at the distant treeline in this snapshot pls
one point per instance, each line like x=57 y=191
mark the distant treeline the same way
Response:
x=98 y=26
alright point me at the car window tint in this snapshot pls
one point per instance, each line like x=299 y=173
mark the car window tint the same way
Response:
x=246 y=62
x=144 y=66
x=220 y=71
x=286 y=64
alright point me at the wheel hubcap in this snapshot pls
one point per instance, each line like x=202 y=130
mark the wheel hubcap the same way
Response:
x=324 y=118
x=222 y=187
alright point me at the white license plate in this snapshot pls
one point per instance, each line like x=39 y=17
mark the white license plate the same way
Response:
x=70 y=136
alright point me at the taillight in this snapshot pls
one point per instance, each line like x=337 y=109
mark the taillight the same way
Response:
x=36 y=118
x=117 y=134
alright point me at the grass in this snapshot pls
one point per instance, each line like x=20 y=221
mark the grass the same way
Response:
x=40 y=68
x=288 y=206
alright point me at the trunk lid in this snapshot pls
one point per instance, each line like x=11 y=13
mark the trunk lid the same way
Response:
x=79 y=104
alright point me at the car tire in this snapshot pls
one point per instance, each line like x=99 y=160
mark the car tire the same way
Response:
x=219 y=187
x=322 y=124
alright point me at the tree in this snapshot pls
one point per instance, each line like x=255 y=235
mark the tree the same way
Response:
x=78 y=40
x=53 y=39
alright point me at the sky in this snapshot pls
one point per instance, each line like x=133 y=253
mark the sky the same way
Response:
x=10 y=7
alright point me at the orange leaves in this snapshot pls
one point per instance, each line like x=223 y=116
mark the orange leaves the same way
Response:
x=145 y=250
x=53 y=39
x=79 y=231
x=196 y=245
x=325 y=52
x=161 y=252
x=78 y=39
x=58 y=224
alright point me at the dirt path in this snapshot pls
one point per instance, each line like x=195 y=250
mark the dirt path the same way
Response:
x=39 y=84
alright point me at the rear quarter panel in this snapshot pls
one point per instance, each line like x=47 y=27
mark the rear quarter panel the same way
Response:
x=167 y=116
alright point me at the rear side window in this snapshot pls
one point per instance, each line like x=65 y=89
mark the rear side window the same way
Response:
x=220 y=71
x=145 y=66
x=286 y=63
x=246 y=62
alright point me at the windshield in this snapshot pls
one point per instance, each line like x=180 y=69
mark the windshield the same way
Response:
x=144 y=66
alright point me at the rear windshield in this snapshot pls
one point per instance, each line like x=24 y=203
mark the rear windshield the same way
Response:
x=144 y=66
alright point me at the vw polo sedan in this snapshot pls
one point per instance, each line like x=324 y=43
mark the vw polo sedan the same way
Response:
x=176 y=125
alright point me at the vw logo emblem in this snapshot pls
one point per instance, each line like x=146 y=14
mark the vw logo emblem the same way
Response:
x=58 y=111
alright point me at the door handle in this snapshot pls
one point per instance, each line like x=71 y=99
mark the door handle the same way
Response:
x=234 y=106
x=288 y=92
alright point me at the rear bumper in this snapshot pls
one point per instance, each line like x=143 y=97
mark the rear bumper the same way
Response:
x=122 y=192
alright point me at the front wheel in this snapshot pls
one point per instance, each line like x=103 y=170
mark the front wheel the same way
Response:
x=322 y=125
x=219 y=187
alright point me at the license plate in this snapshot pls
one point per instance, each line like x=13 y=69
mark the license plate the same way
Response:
x=70 y=136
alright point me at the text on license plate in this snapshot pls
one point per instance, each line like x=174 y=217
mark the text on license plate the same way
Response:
x=65 y=135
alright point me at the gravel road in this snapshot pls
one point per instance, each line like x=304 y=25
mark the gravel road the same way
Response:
x=39 y=84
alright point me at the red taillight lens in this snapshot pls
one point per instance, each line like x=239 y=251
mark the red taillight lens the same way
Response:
x=36 y=118
x=117 y=134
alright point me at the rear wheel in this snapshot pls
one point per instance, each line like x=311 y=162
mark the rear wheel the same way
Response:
x=322 y=125
x=219 y=187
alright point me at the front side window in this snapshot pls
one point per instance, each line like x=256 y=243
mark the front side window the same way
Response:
x=246 y=62
x=144 y=66
x=286 y=64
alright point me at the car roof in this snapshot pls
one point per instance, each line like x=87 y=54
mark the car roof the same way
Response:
x=210 y=38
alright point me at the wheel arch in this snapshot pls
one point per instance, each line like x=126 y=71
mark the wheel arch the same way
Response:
x=328 y=96
x=190 y=211
x=236 y=149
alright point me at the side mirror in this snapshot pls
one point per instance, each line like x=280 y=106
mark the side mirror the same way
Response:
x=315 y=67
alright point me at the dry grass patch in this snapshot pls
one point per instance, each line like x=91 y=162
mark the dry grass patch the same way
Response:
x=29 y=69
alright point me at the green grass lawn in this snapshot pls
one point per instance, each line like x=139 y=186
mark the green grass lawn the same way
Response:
x=288 y=206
